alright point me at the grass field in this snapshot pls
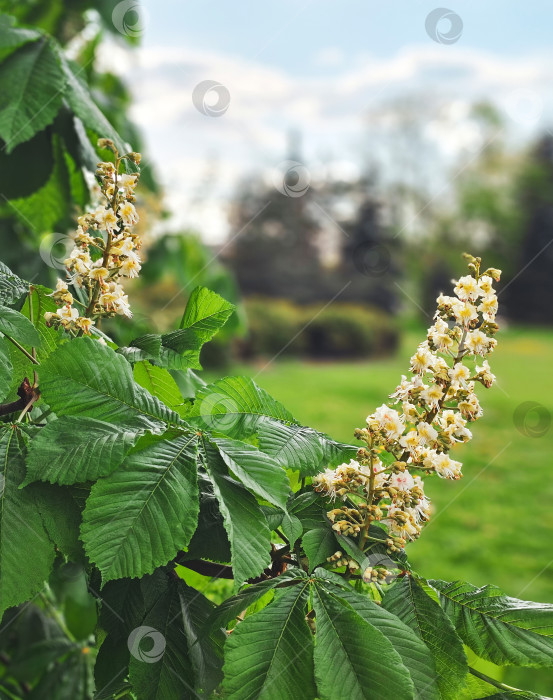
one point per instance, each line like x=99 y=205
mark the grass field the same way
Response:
x=496 y=524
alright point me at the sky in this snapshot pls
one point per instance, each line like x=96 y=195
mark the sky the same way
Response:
x=353 y=82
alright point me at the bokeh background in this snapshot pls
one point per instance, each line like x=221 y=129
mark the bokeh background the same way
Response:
x=324 y=165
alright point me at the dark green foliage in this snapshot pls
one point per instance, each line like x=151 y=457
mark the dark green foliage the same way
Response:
x=341 y=330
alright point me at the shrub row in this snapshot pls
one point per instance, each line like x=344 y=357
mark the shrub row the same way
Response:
x=339 y=331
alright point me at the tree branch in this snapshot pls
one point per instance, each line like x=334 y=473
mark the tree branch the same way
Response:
x=28 y=395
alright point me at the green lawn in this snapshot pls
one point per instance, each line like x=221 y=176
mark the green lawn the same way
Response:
x=496 y=524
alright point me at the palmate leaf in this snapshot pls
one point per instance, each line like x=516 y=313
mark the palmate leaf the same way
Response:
x=353 y=659
x=140 y=516
x=408 y=601
x=32 y=88
x=415 y=655
x=83 y=377
x=21 y=528
x=258 y=472
x=270 y=654
x=245 y=524
x=75 y=449
x=235 y=406
x=496 y=627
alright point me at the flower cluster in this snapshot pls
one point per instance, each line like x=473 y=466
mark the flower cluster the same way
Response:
x=433 y=407
x=106 y=249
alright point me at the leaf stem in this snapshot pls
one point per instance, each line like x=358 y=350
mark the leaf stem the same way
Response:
x=57 y=616
x=20 y=347
x=491 y=681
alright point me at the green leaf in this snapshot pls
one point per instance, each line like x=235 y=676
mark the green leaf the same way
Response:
x=21 y=529
x=407 y=600
x=205 y=650
x=6 y=369
x=206 y=312
x=159 y=383
x=295 y=447
x=291 y=528
x=140 y=516
x=270 y=654
x=146 y=347
x=17 y=326
x=302 y=449
x=79 y=99
x=520 y=694
x=246 y=526
x=35 y=306
x=73 y=679
x=232 y=607
x=318 y=545
x=415 y=655
x=11 y=286
x=235 y=407
x=12 y=37
x=32 y=87
x=499 y=628
x=38 y=302
x=75 y=449
x=353 y=659
x=160 y=666
x=210 y=540
x=258 y=472
x=310 y=508
x=61 y=516
x=47 y=207
x=84 y=377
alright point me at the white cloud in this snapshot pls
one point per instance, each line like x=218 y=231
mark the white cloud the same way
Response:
x=342 y=117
